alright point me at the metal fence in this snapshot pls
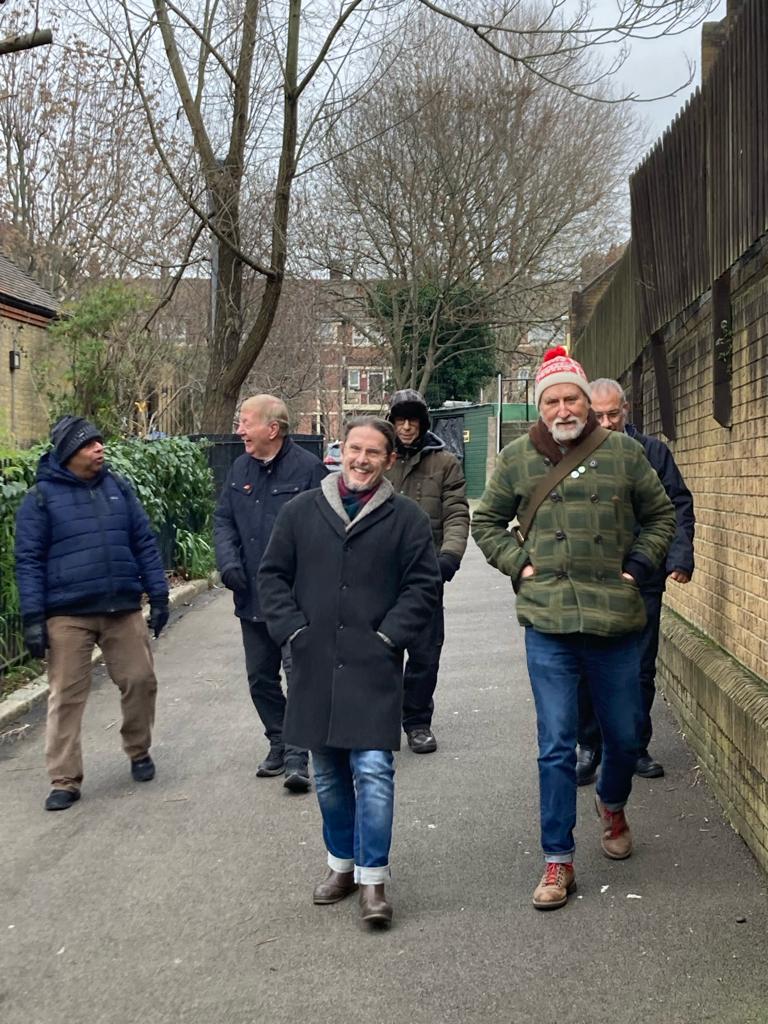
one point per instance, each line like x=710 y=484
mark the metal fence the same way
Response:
x=699 y=199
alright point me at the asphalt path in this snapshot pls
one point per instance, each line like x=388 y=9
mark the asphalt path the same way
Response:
x=188 y=900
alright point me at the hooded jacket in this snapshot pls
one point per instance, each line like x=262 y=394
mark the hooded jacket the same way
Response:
x=84 y=547
x=432 y=477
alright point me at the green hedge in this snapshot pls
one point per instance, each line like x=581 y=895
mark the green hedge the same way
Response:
x=174 y=484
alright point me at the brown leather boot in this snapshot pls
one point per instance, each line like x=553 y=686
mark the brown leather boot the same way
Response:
x=374 y=907
x=334 y=887
x=616 y=840
x=556 y=885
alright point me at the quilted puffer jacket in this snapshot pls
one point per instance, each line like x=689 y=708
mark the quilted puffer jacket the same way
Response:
x=84 y=546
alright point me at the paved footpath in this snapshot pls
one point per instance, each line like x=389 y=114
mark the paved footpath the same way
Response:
x=187 y=900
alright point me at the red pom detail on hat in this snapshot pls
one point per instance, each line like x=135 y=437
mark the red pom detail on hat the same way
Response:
x=553 y=353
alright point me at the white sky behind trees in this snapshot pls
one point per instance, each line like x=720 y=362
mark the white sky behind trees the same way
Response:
x=658 y=66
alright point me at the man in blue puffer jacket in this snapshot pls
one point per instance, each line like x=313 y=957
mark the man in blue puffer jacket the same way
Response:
x=85 y=554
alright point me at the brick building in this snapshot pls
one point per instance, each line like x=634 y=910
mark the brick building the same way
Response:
x=26 y=311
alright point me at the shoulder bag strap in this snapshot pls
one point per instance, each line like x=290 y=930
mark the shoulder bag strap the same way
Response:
x=568 y=463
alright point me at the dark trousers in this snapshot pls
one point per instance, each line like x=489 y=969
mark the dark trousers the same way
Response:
x=420 y=675
x=263 y=658
x=589 y=730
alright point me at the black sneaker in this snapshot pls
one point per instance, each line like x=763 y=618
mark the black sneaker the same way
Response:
x=647 y=768
x=422 y=740
x=273 y=764
x=143 y=769
x=587 y=761
x=61 y=799
x=297 y=778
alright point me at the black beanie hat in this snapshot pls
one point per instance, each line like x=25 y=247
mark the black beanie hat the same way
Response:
x=69 y=434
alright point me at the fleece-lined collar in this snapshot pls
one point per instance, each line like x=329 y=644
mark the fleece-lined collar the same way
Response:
x=330 y=489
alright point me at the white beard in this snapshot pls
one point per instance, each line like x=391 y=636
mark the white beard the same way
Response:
x=563 y=432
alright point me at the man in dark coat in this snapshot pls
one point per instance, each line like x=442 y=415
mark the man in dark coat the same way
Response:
x=271 y=472
x=349 y=578
x=427 y=472
x=85 y=554
x=611 y=408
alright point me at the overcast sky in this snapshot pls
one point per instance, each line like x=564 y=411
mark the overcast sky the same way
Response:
x=657 y=66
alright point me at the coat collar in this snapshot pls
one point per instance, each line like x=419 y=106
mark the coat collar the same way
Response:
x=330 y=488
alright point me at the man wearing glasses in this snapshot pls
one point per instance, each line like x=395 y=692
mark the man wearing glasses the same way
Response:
x=611 y=408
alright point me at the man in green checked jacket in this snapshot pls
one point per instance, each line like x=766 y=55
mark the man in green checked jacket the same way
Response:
x=598 y=534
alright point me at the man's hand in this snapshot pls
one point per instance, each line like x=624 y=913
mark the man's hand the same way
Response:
x=158 y=616
x=527 y=572
x=449 y=566
x=36 y=638
x=679 y=576
x=234 y=580
x=629 y=577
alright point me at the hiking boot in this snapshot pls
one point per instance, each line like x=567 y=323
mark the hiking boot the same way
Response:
x=556 y=885
x=587 y=760
x=143 y=769
x=616 y=840
x=647 y=768
x=61 y=799
x=273 y=763
x=421 y=740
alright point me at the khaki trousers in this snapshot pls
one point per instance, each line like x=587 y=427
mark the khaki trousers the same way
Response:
x=124 y=642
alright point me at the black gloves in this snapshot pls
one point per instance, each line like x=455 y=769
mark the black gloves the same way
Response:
x=36 y=637
x=234 y=579
x=449 y=566
x=158 y=616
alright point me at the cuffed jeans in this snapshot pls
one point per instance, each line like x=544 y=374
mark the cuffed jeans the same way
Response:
x=589 y=730
x=420 y=675
x=263 y=658
x=356 y=793
x=556 y=663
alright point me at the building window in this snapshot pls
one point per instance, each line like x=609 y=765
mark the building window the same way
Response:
x=375 y=387
x=353 y=380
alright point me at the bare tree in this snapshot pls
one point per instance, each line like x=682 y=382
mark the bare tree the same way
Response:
x=256 y=80
x=463 y=202
x=83 y=196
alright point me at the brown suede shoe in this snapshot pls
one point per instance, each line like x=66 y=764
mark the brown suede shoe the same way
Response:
x=556 y=885
x=334 y=887
x=374 y=908
x=616 y=840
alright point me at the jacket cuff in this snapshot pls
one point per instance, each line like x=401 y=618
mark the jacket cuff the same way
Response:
x=639 y=568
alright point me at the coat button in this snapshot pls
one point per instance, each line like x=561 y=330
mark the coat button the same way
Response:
x=340 y=665
x=559 y=535
x=598 y=538
x=600 y=575
x=343 y=586
x=554 y=495
x=561 y=575
x=341 y=625
x=593 y=497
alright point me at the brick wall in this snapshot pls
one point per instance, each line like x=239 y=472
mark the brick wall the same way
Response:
x=23 y=401
x=713 y=658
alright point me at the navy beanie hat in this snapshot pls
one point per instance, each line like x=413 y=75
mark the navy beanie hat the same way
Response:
x=70 y=433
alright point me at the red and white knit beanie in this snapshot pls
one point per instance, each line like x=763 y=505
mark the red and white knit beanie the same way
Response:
x=558 y=368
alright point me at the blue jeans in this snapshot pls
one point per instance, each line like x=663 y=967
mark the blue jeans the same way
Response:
x=556 y=662
x=589 y=730
x=356 y=793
